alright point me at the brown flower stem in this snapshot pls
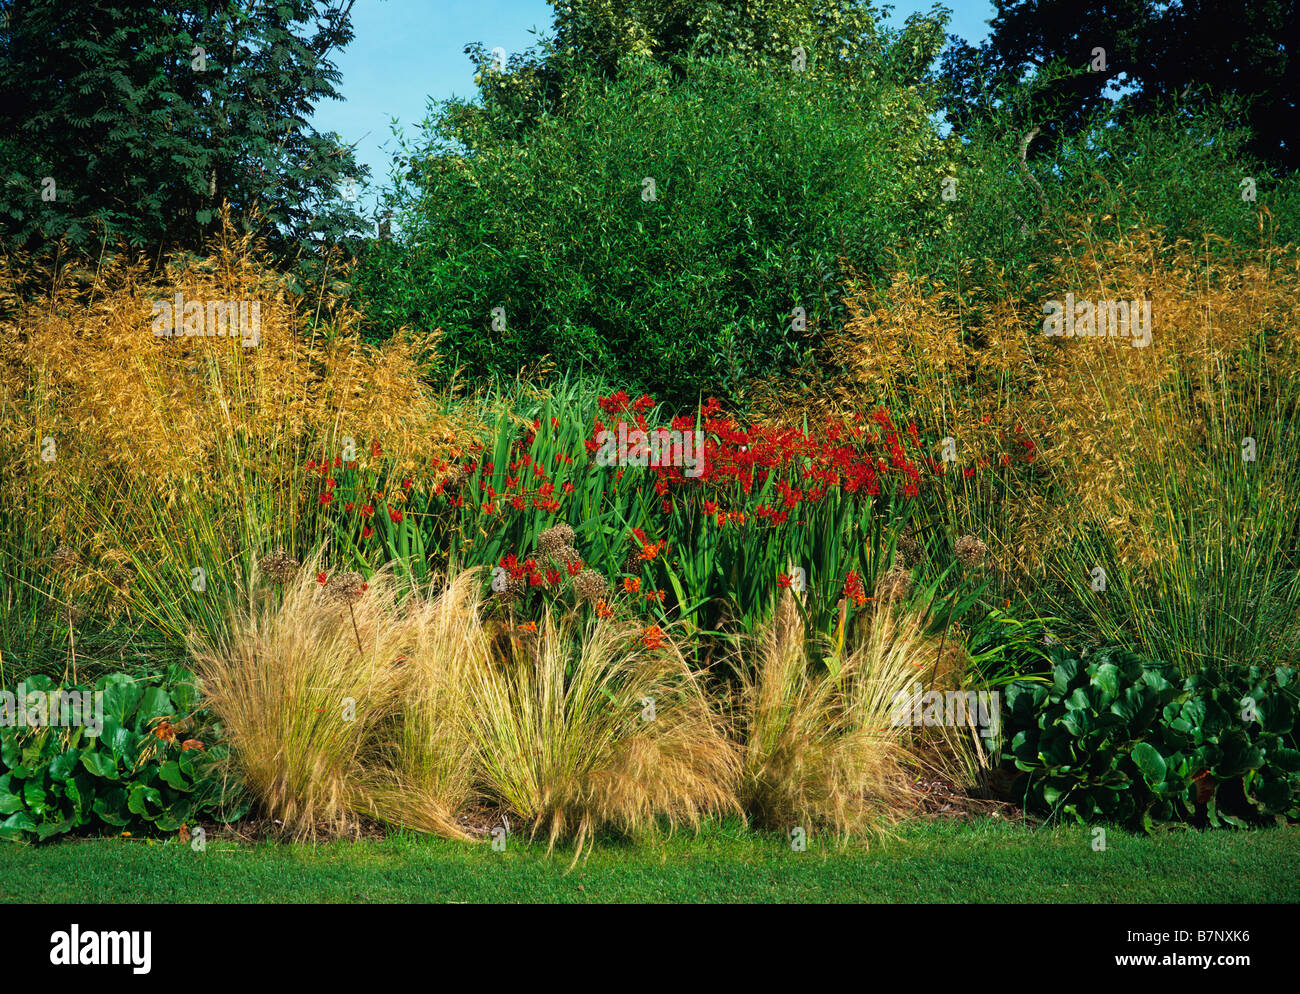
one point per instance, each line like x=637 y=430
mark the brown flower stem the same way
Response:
x=934 y=675
x=72 y=643
x=355 y=631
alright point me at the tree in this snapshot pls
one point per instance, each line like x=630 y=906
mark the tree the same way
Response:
x=839 y=40
x=1193 y=50
x=676 y=233
x=138 y=121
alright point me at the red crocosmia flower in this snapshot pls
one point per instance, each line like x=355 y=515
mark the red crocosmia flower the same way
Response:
x=653 y=637
x=632 y=584
x=853 y=589
x=1006 y=459
x=338 y=461
x=349 y=506
x=406 y=484
x=321 y=578
x=489 y=508
x=567 y=488
x=326 y=498
x=910 y=489
x=576 y=567
x=311 y=463
x=535 y=579
x=365 y=587
x=656 y=596
x=968 y=472
x=783 y=580
x=330 y=482
x=367 y=510
x=603 y=610
x=552 y=575
x=375 y=450
x=518 y=503
x=395 y=515
x=367 y=531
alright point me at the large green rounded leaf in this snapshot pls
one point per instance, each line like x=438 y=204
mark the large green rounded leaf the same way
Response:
x=173 y=776
x=100 y=764
x=111 y=806
x=1150 y=762
x=1106 y=680
x=145 y=801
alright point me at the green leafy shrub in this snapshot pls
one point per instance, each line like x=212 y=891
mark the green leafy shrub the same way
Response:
x=1077 y=735
x=1233 y=742
x=137 y=774
x=1117 y=739
x=767 y=184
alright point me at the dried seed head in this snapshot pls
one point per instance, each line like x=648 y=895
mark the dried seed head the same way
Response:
x=590 y=585
x=970 y=551
x=568 y=555
x=120 y=577
x=346 y=588
x=632 y=562
x=554 y=539
x=279 y=566
x=896 y=584
x=515 y=587
x=65 y=558
x=908 y=550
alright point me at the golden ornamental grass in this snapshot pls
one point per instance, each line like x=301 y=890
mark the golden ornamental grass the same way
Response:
x=972 y=363
x=142 y=418
x=820 y=749
x=582 y=727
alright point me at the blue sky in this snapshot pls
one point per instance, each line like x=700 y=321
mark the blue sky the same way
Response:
x=406 y=51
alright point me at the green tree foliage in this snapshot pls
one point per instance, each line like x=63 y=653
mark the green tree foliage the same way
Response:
x=768 y=185
x=147 y=117
x=1196 y=50
x=833 y=39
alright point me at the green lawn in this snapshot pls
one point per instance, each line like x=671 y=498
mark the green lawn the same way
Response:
x=984 y=861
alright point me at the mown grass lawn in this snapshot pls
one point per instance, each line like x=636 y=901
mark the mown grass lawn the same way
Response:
x=983 y=861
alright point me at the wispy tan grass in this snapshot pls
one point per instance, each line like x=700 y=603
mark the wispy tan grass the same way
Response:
x=567 y=738
x=820 y=749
